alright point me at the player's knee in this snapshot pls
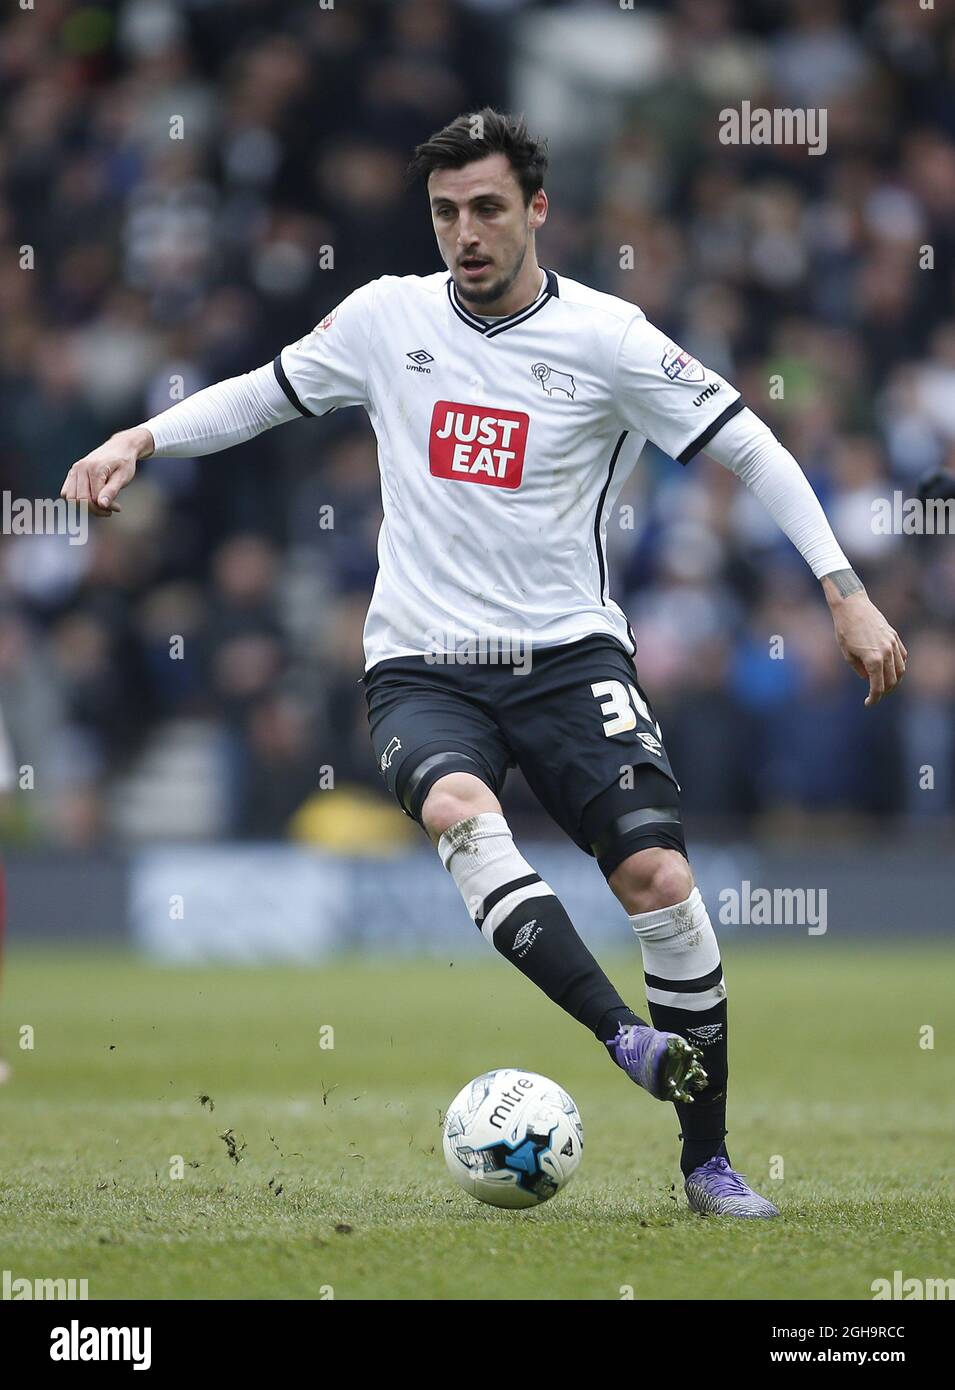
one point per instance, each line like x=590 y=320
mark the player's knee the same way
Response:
x=652 y=878
x=454 y=798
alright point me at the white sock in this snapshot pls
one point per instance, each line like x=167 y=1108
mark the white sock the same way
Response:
x=679 y=945
x=481 y=857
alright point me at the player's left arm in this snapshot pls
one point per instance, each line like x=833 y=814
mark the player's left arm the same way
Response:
x=748 y=447
x=688 y=409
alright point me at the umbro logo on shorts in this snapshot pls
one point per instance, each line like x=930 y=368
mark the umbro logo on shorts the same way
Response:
x=474 y=444
x=651 y=743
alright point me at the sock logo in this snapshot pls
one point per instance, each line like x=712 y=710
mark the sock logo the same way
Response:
x=526 y=937
x=707 y=1032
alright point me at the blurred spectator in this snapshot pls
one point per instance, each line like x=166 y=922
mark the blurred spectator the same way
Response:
x=186 y=186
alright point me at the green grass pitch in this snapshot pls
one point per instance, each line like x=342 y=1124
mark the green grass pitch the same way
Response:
x=340 y=1189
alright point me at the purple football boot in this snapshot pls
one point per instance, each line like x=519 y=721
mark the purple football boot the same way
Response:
x=664 y=1064
x=716 y=1189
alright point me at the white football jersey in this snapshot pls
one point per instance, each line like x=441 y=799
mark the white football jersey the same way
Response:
x=503 y=445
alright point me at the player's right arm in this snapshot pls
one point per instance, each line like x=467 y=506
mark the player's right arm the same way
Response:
x=321 y=372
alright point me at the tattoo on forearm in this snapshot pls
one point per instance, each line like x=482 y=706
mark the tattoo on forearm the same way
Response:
x=846 y=581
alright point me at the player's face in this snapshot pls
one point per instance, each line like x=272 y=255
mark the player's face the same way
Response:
x=484 y=227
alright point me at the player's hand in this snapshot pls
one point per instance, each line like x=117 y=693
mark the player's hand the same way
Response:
x=101 y=475
x=872 y=648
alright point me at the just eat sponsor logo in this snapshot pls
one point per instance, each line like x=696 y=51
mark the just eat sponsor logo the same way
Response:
x=476 y=445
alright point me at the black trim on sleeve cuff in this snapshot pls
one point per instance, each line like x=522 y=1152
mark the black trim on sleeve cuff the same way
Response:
x=289 y=390
x=701 y=441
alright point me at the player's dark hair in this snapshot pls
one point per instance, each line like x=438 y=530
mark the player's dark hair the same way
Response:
x=477 y=134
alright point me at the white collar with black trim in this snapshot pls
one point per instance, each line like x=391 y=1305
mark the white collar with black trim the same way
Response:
x=490 y=328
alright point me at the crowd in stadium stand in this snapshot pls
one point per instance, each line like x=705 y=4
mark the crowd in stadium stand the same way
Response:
x=821 y=286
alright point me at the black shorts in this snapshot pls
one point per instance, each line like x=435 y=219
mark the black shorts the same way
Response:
x=572 y=742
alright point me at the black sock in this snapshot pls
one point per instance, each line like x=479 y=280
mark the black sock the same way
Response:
x=612 y=1021
x=702 y=1123
x=540 y=939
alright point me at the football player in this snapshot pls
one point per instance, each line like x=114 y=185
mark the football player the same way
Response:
x=510 y=404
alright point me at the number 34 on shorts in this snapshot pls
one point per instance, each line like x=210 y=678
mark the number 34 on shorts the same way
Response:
x=621 y=705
